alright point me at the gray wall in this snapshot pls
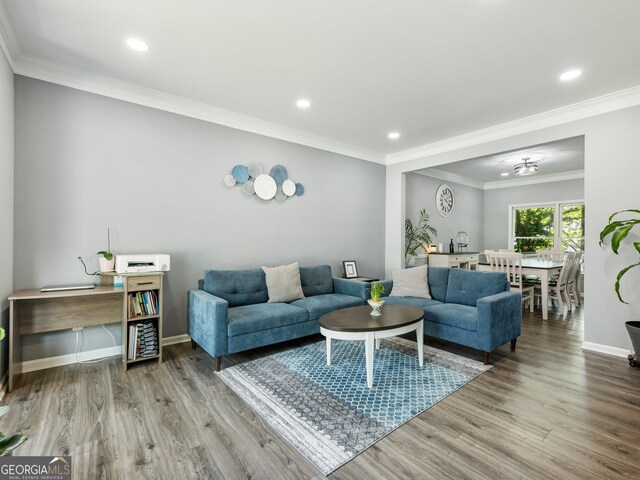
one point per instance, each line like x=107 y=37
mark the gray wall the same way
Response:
x=85 y=162
x=496 y=205
x=466 y=216
x=6 y=199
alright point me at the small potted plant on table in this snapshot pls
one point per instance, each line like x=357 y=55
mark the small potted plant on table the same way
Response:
x=106 y=259
x=375 y=301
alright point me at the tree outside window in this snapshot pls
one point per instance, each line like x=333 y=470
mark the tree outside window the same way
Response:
x=540 y=228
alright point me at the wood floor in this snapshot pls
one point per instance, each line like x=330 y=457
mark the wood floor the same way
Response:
x=547 y=410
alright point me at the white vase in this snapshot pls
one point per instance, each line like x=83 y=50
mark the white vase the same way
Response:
x=107 y=265
x=376 y=306
x=410 y=261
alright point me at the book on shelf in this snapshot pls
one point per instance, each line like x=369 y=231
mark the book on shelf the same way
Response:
x=143 y=303
x=143 y=340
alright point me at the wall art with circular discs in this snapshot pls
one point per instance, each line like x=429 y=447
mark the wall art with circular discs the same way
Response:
x=253 y=181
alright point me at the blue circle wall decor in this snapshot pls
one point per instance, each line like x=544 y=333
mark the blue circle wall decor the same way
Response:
x=240 y=173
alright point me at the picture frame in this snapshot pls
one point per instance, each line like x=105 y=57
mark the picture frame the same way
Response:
x=350 y=269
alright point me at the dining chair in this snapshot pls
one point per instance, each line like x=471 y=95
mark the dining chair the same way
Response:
x=550 y=255
x=573 y=285
x=558 y=287
x=510 y=263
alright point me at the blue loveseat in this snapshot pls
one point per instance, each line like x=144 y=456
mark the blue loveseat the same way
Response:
x=229 y=312
x=475 y=309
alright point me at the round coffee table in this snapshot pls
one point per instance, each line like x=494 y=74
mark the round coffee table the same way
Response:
x=357 y=323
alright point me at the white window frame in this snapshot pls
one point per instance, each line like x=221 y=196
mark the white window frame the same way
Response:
x=557 y=218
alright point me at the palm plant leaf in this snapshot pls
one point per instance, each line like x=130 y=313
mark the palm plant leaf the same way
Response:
x=623 y=211
x=619 y=235
x=9 y=444
x=620 y=275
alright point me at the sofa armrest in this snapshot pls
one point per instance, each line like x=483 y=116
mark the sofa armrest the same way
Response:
x=388 y=285
x=351 y=287
x=207 y=321
x=500 y=316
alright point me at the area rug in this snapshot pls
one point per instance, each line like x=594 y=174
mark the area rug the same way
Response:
x=327 y=412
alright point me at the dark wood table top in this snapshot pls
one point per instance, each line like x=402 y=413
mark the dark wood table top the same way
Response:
x=359 y=319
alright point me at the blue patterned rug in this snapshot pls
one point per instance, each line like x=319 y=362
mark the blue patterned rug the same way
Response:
x=328 y=413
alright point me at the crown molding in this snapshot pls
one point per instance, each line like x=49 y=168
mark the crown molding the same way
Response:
x=535 y=179
x=8 y=39
x=129 y=92
x=450 y=177
x=610 y=102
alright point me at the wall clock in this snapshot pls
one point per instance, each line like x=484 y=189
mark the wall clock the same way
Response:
x=444 y=200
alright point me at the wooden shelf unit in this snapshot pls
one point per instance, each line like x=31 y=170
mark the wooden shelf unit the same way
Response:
x=132 y=283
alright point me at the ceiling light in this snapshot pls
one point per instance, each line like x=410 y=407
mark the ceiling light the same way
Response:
x=303 y=103
x=570 y=75
x=394 y=135
x=137 y=45
x=504 y=174
x=526 y=167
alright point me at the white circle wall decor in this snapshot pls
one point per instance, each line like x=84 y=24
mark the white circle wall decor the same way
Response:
x=229 y=181
x=265 y=187
x=444 y=200
x=289 y=188
x=247 y=188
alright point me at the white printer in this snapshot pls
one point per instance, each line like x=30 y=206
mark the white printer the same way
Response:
x=143 y=262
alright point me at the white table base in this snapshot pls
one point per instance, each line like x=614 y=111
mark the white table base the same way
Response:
x=372 y=342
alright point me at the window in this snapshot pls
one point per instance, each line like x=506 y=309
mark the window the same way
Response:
x=547 y=227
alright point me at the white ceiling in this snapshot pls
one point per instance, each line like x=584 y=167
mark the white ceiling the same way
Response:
x=555 y=158
x=428 y=69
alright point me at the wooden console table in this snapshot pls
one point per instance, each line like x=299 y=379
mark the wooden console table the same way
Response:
x=33 y=311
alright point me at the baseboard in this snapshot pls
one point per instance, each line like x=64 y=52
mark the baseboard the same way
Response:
x=175 y=339
x=606 y=349
x=50 y=362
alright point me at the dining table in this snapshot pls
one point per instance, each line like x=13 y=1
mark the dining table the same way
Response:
x=545 y=269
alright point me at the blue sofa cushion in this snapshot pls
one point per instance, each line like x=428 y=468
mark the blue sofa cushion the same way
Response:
x=320 y=304
x=438 y=282
x=467 y=286
x=412 y=301
x=238 y=287
x=316 y=280
x=454 y=315
x=265 y=316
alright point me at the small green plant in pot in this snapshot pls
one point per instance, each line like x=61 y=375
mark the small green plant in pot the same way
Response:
x=619 y=231
x=376 y=302
x=106 y=259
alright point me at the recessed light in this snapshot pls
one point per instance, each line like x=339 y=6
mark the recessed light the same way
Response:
x=137 y=45
x=394 y=135
x=303 y=103
x=504 y=174
x=570 y=75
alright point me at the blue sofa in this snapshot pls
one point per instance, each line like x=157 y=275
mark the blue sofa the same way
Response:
x=229 y=312
x=475 y=309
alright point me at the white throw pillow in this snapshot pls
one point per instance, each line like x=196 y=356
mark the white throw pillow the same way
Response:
x=410 y=282
x=283 y=283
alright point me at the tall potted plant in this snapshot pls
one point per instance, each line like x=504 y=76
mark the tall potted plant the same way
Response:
x=619 y=230
x=415 y=236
